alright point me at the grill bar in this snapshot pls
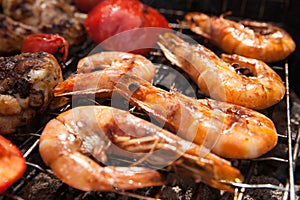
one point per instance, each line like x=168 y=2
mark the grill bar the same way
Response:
x=289 y=134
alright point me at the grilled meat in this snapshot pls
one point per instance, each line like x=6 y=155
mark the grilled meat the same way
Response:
x=46 y=16
x=12 y=34
x=26 y=83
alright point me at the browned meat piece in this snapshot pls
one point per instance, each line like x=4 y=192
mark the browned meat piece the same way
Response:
x=26 y=83
x=12 y=34
x=47 y=16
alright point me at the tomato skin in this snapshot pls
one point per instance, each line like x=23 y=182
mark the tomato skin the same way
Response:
x=86 y=5
x=115 y=16
x=50 y=43
x=157 y=21
x=12 y=164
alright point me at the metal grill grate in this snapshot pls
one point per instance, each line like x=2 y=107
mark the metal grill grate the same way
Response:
x=272 y=175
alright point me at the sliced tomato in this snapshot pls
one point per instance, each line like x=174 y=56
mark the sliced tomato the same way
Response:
x=12 y=164
x=116 y=16
x=50 y=43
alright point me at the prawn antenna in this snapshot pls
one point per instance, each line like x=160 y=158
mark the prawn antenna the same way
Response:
x=180 y=26
x=226 y=14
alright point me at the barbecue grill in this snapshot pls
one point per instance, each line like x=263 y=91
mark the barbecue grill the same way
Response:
x=272 y=176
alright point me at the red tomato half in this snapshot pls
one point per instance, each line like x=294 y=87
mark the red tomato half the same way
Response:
x=12 y=163
x=50 y=43
x=115 y=16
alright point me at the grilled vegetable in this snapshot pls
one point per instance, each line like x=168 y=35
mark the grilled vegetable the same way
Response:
x=12 y=163
x=50 y=43
x=86 y=5
x=115 y=16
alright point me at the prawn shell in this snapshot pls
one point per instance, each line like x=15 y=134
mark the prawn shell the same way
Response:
x=91 y=130
x=218 y=78
x=61 y=151
x=259 y=40
x=229 y=130
x=99 y=72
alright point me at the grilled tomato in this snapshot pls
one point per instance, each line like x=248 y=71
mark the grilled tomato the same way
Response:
x=86 y=5
x=12 y=163
x=50 y=43
x=112 y=17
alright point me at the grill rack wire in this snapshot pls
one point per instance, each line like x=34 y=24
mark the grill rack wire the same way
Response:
x=28 y=140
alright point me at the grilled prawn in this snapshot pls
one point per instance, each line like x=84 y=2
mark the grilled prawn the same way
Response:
x=230 y=130
x=26 y=83
x=101 y=131
x=99 y=72
x=218 y=78
x=257 y=40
